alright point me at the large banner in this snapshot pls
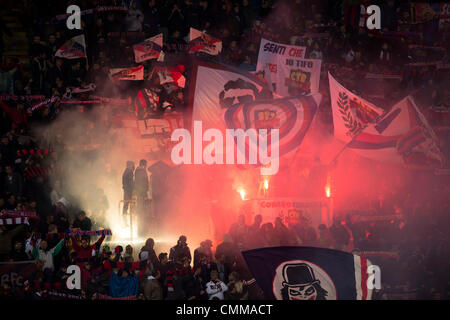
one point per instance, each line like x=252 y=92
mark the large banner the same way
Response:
x=225 y=98
x=297 y=76
x=269 y=52
x=291 y=116
x=306 y=273
x=215 y=88
x=17 y=272
x=351 y=113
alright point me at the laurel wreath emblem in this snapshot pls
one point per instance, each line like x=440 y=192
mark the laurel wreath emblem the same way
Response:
x=352 y=124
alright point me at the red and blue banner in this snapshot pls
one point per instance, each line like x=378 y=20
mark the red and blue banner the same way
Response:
x=201 y=42
x=307 y=273
x=148 y=49
x=75 y=48
x=291 y=116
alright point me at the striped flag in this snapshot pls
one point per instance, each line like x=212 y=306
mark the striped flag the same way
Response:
x=134 y=73
x=201 y=42
x=307 y=273
x=75 y=48
x=13 y=221
x=149 y=49
x=401 y=136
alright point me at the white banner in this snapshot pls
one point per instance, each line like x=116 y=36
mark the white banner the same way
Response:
x=216 y=89
x=351 y=113
x=269 y=52
x=297 y=76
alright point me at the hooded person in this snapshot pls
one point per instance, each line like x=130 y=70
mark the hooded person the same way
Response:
x=180 y=250
x=18 y=252
x=148 y=253
x=203 y=254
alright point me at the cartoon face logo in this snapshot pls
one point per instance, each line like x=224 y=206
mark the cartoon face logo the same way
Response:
x=238 y=91
x=302 y=280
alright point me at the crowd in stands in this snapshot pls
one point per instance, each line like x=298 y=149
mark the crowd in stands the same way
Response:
x=421 y=245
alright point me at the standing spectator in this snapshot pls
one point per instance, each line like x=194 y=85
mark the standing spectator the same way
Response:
x=194 y=285
x=239 y=231
x=127 y=186
x=84 y=251
x=82 y=222
x=180 y=250
x=152 y=18
x=148 y=253
x=12 y=183
x=176 y=20
x=39 y=69
x=134 y=18
x=46 y=255
x=6 y=237
x=222 y=267
x=203 y=253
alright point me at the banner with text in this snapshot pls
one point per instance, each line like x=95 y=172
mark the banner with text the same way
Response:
x=297 y=76
x=269 y=52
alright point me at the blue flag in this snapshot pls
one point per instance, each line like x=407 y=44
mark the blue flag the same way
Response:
x=307 y=273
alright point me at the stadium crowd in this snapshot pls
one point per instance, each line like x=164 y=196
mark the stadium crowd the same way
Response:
x=328 y=30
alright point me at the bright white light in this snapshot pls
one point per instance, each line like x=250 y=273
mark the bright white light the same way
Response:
x=266 y=185
x=242 y=193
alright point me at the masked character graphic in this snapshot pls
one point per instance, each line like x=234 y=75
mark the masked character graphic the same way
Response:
x=299 y=283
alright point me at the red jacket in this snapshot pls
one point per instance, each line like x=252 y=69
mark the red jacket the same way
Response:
x=85 y=254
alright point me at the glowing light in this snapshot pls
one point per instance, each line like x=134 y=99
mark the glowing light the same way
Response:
x=242 y=193
x=328 y=191
x=125 y=233
x=266 y=184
